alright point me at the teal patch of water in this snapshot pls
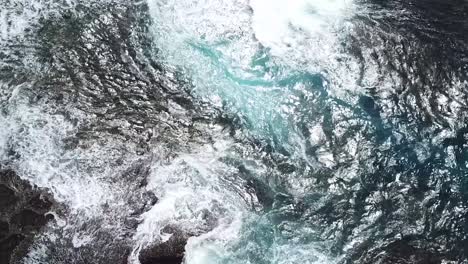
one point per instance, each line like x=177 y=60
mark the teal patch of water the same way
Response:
x=262 y=95
x=263 y=241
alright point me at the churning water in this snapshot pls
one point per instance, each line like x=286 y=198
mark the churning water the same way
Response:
x=263 y=131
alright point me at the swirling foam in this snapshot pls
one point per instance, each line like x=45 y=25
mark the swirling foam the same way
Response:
x=246 y=56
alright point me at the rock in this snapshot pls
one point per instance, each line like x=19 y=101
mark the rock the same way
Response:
x=8 y=245
x=29 y=218
x=23 y=211
x=4 y=229
x=40 y=202
x=7 y=197
x=169 y=252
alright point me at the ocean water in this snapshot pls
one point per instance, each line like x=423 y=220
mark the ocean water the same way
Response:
x=267 y=132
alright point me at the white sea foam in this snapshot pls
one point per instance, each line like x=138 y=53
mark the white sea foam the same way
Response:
x=85 y=180
x=284 y=25
x=239 y=51
x=302 y=32
x=216 y=41
x=38 y=137
x=197 y=193
x=250 y=53
x=212 y=247
x=302 y=35
x=251 y=240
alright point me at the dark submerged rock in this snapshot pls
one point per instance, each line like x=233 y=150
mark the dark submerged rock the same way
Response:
x=7 y=197
x=169 y=252
x=8 y=246
x=23 y=211
x=4 y=229
x=29 y=218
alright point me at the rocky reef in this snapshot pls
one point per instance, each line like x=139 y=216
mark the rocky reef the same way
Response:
x=168 y=252
x=23 y=212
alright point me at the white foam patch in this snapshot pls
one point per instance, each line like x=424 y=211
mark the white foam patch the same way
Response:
x=38 y=137
x=285 y=25
x=15 y=18
x=229 y=244
x=222 y=25
x=197 y=192
x=13 y=26
x=197 y=186
x=305 y=32
x=4 y=134
x=213 y=246
x=301 y=35
x=84 y=179
x=256 y=56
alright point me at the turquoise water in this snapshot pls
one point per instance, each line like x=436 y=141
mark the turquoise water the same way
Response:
x=275 y=103
x=266 y=97
x=290 y=77
x=240 y=131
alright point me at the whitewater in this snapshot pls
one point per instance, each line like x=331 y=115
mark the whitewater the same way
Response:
x=234 y=131
x=249 y=57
